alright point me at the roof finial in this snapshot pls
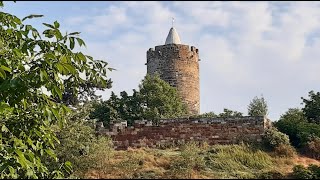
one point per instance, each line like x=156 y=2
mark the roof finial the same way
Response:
x=172 y=21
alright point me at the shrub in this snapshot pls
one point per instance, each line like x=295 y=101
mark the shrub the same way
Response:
x=273 y=174
x=189 y=160
x=312 y=147
x=285 y=151
x=274 y=138
x=315 y=170
x=312 y=172
x=296 y=126
x=190 y=154
x=80 y=146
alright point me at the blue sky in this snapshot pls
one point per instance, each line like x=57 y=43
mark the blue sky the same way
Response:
x=247 y=49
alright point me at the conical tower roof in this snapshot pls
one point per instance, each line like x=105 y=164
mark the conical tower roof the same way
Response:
x=173 y=37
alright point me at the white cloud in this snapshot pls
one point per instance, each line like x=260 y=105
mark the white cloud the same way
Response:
x=76 y=20
x=246 y=48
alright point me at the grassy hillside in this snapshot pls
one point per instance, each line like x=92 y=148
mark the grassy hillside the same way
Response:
x=192 y=161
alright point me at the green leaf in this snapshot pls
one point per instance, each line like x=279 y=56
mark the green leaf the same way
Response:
x=66 y=109
x=111 y=69
x=48 y=25
x=16 y=20
x=28 y=27
x=9 y=31
x=81 y=57
x=12 y=170
x=56 y=24
x=70 y=68
x=75 y=33
x=43 y=75
x=80 y=42
x=51 y=153
x=35 y=33
x=71 y=39
x=5 y=68
x=4 y=129
x=30 y=142
x=58 y=34
x=24 y=101
x=63 y=59
x=50 y=56
x=21 y=67
x=2 y=74
x=56 y=113
x=61 y=68
x=58 y=91
x=68 y=166
x=32 y=16
x=22 y=160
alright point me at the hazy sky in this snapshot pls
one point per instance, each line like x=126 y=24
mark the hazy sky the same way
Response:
x=246 y=48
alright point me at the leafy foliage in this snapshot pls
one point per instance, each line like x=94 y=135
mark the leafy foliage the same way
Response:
x=311 y=172
x=80 y=145
x=311 y=107
x=155 y=99
x=258 y=107
x=227 y=113
x=296 y=126
x=273 y=138
x=205 y=115
x=285 y=150
x=312 y=148
x=278 y=142
x=28 y=66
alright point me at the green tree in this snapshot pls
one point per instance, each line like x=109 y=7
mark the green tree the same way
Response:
x=155 y=99
x=160 y=99
x=106 y=111
x=227 y=113
x=258 y=107
x=296 y=126
x=28 y=65
x=288 y=124
x=205 y=115
x=311 y=107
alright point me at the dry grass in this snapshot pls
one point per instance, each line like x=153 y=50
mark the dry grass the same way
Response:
x=305 y=161
x=195 y=163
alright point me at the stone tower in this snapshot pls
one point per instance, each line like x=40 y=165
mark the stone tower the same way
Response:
x=177 y=64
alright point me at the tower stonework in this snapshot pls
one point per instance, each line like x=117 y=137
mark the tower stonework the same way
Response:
x=178 y=65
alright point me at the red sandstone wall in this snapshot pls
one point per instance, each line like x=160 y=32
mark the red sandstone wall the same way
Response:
x=213 y=131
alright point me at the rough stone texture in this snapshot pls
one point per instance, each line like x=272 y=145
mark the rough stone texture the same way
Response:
x=178 y=65
x=172 y=131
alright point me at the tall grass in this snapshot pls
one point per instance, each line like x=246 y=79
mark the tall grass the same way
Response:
x=194 y=161
x=238 y=161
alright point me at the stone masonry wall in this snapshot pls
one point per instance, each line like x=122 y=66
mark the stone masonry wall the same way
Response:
x=171 y=131
x=178 y=65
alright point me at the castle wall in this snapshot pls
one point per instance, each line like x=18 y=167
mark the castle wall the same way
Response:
x=172 y=131
x=178 y=65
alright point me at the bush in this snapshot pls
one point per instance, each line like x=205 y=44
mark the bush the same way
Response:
x=296 y=126
x=271 y=175
x=189 y=160
x=274 y=138
x=312 y=172
x=315 y=170
x=80 y=146
x=312 y=148
x=285 y=151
